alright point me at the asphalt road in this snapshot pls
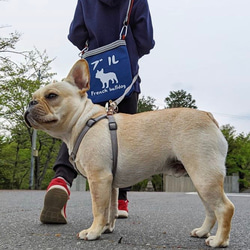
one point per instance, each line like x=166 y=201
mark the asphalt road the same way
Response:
x=156 y=221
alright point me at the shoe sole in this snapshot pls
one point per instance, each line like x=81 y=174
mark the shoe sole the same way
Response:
x=122 y=214
x=54 y=201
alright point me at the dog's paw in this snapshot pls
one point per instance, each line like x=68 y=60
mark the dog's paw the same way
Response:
x=88 y=235
x=109 y=229
x=200 y=233
x=212 y=241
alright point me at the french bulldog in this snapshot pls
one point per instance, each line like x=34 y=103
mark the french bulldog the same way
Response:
x=173 y=141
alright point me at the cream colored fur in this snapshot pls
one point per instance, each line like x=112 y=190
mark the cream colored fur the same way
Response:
x=172 y=141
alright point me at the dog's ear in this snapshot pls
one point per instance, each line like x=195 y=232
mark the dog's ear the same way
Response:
x=79 y=76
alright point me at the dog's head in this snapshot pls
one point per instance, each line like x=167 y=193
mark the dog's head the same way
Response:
x=56 y=106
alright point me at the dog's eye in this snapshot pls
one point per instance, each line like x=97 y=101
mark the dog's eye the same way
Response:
x=51 y=96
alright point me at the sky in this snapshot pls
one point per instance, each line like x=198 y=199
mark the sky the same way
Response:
x=202 y=47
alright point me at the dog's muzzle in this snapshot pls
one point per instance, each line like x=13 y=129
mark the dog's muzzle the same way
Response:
x=27 y=112
x=26 y=119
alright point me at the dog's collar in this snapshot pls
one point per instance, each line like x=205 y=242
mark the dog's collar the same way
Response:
x=89 y=124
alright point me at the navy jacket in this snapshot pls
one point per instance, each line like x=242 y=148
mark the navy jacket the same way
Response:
x=100 y=22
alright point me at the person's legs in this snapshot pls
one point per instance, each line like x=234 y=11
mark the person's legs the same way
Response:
x=128 y=106
x=123 y=202
x=63 y=168
x=54 y=210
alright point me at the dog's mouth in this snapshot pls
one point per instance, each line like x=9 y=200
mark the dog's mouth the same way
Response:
x=50 y=121
x=30 y=121
x=26 y=119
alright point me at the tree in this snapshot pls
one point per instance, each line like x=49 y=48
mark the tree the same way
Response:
x=180 y=98
x=19 y=78
x=238 y=156
x=48 y=149
x=146 y=104
x=20 y=81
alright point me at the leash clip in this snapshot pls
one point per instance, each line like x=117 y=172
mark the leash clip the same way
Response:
x=111 y=107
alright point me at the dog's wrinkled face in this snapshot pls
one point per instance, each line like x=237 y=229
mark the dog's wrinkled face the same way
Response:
x=51 y=106
x=47 y=105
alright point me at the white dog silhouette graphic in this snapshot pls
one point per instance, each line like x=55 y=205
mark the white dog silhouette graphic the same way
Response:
x=106 y=77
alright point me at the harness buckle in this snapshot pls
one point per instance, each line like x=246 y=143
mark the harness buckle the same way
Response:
x=112 y=126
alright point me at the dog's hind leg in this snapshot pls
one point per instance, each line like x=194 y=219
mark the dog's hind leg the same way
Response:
x=100 y=188
x=204 y=230
x=224 y=213
x=218 y=207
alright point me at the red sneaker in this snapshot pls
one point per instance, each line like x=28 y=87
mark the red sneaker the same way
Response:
x=123 y=209
x=54 y=210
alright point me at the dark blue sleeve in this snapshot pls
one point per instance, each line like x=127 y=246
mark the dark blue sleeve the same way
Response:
x=142 y=28
x=78 y=33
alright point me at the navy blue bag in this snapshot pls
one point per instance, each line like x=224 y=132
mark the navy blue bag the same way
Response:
x=110 y=72
x=110 y=69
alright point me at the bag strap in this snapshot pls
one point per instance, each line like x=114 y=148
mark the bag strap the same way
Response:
x=123 y=35
x=118 y=100
x=124 y=29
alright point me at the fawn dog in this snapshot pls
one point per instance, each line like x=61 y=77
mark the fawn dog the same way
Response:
x=173 y=141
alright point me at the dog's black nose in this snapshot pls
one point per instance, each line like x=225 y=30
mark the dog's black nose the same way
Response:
x=33 y=103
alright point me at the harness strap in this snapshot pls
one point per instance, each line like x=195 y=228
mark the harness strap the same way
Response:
x=113 y=134
x=89 y=124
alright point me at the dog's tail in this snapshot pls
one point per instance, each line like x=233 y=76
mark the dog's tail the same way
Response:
x=213 y=119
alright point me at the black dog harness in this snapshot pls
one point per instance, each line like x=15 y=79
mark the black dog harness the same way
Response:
x=113 y=135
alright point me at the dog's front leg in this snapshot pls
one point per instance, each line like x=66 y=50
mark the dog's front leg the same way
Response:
x=113 y=211
x=100 y=189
